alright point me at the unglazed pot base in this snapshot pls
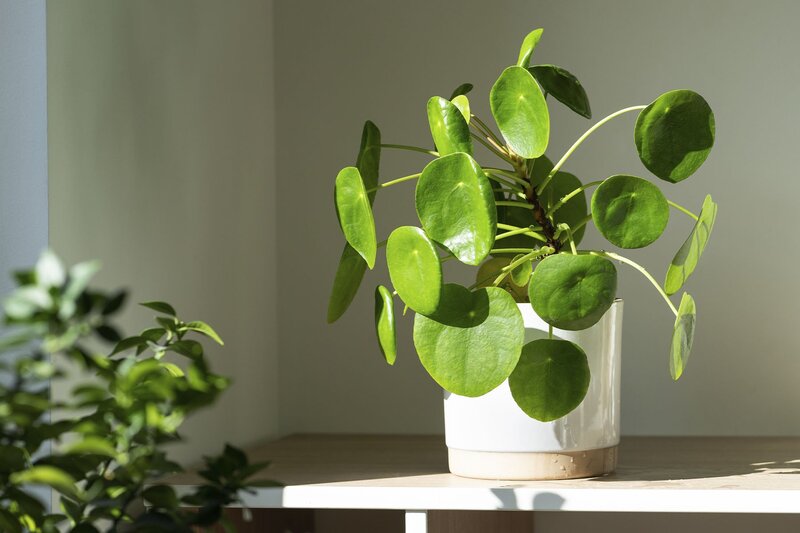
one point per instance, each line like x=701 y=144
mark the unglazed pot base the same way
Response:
x=520 y=466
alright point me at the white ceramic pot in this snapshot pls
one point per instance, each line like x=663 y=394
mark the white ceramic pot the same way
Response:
x=491 y=438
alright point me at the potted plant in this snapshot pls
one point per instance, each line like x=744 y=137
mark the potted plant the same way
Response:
x=529 y=354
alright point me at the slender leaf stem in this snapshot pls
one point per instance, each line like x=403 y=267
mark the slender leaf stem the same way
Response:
x=506 y=270
x=508 y=174
x=683 y=209
x=395 y=182
x=530 y=231
x=644 y=272
x=511 y=250
x=411 y=149
x=510 y=203
x=580 y=140
x=490 y=147
x=499 y=179
x=585 y=220
x=487 y=129
x=567 y=197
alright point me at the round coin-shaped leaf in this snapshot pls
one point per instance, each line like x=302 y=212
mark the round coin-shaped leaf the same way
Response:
x=368 y=160
x=414 y=268
x=456 y=207
x=348 y=278
x=522 y=272
x=354 y=210
x=682 y=336
x=462 y=103
x=573 y=291
x=630 y=212
x=491 y=269
x=528 y=45
x=449 y=130
x=384 y=323
x=674 y=134
x=685 y=261
x=551 y=379
x=564 y=87
x=520 y=111
x=472 y=342
x=464 y=88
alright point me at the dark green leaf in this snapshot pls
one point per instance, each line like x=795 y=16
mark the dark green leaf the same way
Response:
x=462 y=89
x=115 y=303
x=384 y=323
x=108 y=333
x=348 y=278
x=630 y=212
x=564 y=87
x=161 y=496
x=368 y=160
x=160 y=307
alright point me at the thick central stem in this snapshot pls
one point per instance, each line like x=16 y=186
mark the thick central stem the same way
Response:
x=539 y=213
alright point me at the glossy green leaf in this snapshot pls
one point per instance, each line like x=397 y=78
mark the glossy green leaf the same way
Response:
x=522 y=273
x=160 y=307
x=564 y=87
x=682 y=336
x=675 y=134
x=685 y=261
x=368 y=160
x=488 y=272
x=462 y=103
x=472 y=342
x=464 y=88
x=162 y=496
x=456 y=207
x=449 y=130
x=528 y=45
x=384 y=323
x=348 y=278
x=48 y=475
x=201 y=327
x=573 y=291
x=354 y=211
x=92 y=445
x=414 y=268
x=520 y=111
x=551 y=379
x=630 y=212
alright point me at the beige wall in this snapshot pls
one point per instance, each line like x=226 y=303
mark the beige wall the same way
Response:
x=161 y=165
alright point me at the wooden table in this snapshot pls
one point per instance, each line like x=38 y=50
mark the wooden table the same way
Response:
x=409 y=473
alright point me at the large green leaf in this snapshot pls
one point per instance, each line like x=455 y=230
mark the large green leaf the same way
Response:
x=674 y=134
x=573 y=291
x=384 y=323
x=682 y=336
x=368 y=160
x=528 y=45
x=456 y=207
x=551 y=379
x=563 y=183
x=564 y=87
x=414 y=268
x=630 y=212
x=520 y=111
x=685 y=261
x=354 y=211
x=472 y=342
x=348 y=278
x=51 y=476
x=449 y=130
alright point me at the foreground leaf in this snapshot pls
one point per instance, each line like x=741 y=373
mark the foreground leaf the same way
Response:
x=682 y=336
x=564 y=87
x=551 y=379
x=675 y=134
x=685 y=261
x=521 y=113
x=472 y=342
x=449 y=129
x=630 y=212
x=462 y=103
x=573 y=292
x=47 y=475
x=384 y=323
x=414 y=268
x=354 y=211
x=348 y=278
x=456 y=207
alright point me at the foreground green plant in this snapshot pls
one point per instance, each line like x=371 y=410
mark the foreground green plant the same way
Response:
x=521 y=221
x=107 y=440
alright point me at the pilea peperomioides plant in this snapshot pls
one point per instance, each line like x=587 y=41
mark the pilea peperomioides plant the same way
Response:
x=521 y=222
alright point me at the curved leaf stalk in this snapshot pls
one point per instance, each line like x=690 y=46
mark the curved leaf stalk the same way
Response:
x=683 y=210
x=645 y=273
x=566 y=198
x=395 y=182
x=411 y=149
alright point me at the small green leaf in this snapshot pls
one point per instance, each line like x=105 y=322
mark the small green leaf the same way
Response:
x=348 y=278
x=462 y=103
x=573 y=291
x=564 y=87
x=47 y=475
x=551 y=379
x=456 y=207
x=368 y=160
x=522 y=273
x=92 y=445
x=682 y=336
x=12 y=458
x=384 y=323
x=675 y=134
x=464 y=88
x=353 y=208
x=521 y=113
x=189 y=348
x=162 y=496
x=114 y=303
x=160 y=307
x=472 y=342
x=489 y=271
x=449 y=130
x=201 y=327
x=128 y=343
x=687 y=257
x=414 y=268
x=528 y=46
x=630 y=212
